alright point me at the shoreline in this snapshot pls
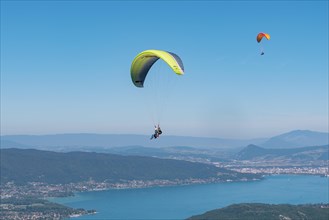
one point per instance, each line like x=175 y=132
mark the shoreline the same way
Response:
x=269 y=176
x=130 y=185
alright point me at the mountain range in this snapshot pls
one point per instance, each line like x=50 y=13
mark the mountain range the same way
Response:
x=69 y=142
x=297 y=138
x=253 y=152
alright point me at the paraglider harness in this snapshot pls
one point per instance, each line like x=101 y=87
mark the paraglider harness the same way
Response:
x=157 y=132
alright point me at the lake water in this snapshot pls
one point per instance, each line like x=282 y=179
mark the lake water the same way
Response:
x=180 y=202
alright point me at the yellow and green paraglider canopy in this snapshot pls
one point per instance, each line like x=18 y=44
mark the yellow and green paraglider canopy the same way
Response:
x=144 y=61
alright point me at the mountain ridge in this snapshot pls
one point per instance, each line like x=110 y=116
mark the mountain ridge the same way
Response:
x=297 y=138
x=310 y=153
x=120 y=140
x=31 y=165
x=292 y=139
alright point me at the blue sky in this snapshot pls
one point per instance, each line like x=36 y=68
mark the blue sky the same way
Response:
x=65 y=67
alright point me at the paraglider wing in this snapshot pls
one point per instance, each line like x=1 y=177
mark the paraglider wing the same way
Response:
x=144 y=61
x=261 y=35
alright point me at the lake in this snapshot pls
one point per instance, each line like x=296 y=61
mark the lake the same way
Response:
x=180 y=202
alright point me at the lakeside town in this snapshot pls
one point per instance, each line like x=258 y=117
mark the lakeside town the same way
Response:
x=321 y=171
x=270 y=167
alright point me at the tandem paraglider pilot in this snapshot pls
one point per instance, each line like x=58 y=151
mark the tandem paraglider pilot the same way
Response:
x=157 y=132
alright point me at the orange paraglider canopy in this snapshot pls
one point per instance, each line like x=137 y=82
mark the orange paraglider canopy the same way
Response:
x=261 y=35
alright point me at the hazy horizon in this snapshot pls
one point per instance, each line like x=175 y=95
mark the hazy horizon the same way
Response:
x=90 y=133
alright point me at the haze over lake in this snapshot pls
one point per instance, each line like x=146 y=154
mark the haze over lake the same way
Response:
x=180 y=202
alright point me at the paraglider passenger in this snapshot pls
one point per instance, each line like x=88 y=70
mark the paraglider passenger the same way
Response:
x=157 y=132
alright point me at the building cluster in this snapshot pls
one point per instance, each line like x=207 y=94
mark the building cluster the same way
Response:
x=44 y=190
x=14 y=215
x=322 y=171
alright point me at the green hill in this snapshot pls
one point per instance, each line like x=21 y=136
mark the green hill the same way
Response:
x=29 y=165
x=258 y=211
